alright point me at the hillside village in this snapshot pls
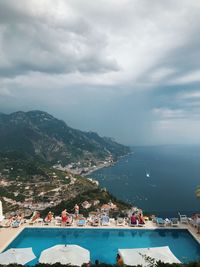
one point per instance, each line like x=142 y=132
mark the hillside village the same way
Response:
x=43 y=162
x=26 y=193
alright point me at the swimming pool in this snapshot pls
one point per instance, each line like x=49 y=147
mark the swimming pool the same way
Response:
x=104 y=243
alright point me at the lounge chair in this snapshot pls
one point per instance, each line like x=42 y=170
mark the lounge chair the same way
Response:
x=81 y=222
x=141 y=224
x=183 y=218
x=194 y=220
x=95 y=221
x=174 y=222
x=69 y=221
x=49 y=218
x=160 y=222
x=16 y=224
x=120 y=221
x=105 y=220
x=34 y=218
x=6 y=223
x=39 y=220
x=131 y=224
x=168 y=222
x=58 y=221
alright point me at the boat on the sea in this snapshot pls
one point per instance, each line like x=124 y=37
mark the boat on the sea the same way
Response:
x=147 y=174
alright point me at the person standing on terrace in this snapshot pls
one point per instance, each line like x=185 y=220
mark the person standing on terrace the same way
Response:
x=76 y=211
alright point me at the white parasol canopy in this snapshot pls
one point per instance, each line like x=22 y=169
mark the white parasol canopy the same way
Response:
x=65 y=254
x=17 y=255
x=137 y=256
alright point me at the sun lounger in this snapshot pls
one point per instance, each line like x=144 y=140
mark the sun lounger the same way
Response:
x=105 y=220
x=168 y=222
x=49 y=218
x=34 y=218
x=141 y=224
x=195 y=220
x=133 y=224
x=40 y=220
x=15 y=224
x=183 y=218
x=69 y=221
x=95 y=221
x=81 y=222
x=120 y=221
x=58 y=221
x=6 y=223
x=160 y=222
x=174 y=221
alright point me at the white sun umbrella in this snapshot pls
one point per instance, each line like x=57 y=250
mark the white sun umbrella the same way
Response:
x=65 y=254
x=137 y=256
x=17 y=255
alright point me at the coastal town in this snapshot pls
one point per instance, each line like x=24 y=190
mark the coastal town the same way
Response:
x=85 y=167
x=40 y=192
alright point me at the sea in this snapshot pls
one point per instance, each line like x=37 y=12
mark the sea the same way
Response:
x=161 y=180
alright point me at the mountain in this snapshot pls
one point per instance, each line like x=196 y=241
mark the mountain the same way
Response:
x=37 y=133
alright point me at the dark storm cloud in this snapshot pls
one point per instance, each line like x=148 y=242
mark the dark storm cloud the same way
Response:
x=128 y=69
x=31 y=42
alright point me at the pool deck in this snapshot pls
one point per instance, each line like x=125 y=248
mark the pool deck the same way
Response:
x=8 y=234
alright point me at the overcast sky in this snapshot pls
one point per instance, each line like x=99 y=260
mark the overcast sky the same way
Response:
x=129 y=69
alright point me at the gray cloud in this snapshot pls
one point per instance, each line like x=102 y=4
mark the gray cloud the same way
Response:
x=122 y=69
x=30 y=43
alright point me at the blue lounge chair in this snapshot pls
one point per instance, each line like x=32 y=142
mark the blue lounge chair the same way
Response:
x=15 y=224
x=81 y=222
x=105 y=220
x=160 y=222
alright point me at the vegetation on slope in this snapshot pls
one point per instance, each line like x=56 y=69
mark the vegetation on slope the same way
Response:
x=90 y=195
x=37 y=133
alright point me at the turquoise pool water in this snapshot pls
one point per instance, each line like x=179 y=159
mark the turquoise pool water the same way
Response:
x=104 y=243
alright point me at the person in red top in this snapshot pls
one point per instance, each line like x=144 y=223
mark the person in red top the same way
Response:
x=134 y=219
x=141 y=219
x=64 y=216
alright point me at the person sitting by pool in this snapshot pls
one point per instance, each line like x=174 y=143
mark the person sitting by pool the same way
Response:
x=64 y=216
x=19 y=219
x=49 y=217
x=141 y=220
x=119 y=259
x=36 y=215
x=134 y=220
x=96 y=262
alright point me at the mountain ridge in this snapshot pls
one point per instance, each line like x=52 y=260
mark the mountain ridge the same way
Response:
x=37 y=133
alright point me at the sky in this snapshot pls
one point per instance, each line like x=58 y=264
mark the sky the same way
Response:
x=128 y=69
